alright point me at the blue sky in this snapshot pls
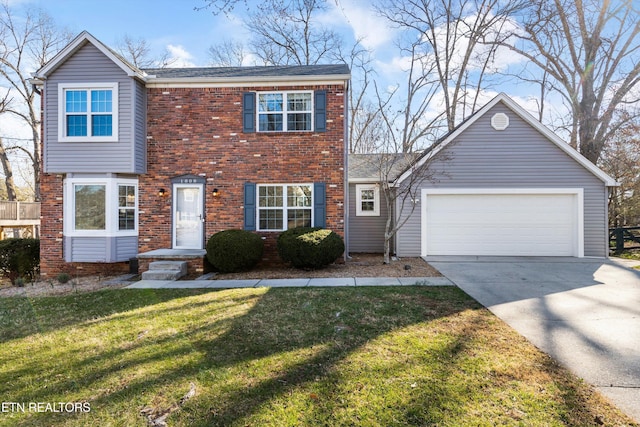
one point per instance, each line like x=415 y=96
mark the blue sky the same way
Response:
x=175 y=26
x=175 y=23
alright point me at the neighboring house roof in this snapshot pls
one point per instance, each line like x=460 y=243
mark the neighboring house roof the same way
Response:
x=339 y=72
x=524 y=115
x=377 y=166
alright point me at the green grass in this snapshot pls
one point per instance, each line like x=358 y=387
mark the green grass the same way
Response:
x=282 y=357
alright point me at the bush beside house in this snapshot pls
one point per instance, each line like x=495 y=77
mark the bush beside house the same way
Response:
x=19 y=259
x=309 y=247
x=231 y=251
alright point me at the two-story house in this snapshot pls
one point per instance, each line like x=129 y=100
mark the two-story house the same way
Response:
x=136 y=161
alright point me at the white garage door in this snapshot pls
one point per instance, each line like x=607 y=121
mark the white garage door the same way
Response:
x=503 y=224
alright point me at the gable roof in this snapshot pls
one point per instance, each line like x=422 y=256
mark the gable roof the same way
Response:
x=524 y=115
x=368 y=167
x=76 y=44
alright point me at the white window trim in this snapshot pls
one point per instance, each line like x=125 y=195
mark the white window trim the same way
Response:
x=111 y=207
x=376 y=199
x=62 y=134
x=285 y=208
x=284 y=111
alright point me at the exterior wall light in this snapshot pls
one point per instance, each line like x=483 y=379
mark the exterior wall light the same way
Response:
x=162 y=192
x=215 y=192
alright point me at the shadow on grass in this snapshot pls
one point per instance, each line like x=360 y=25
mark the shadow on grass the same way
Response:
x=23 y=316
x=265 y=348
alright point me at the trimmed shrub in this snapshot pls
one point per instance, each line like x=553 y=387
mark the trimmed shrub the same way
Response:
x=230 y=251
x=63 y=278
x=307 y=247
x=19 y=258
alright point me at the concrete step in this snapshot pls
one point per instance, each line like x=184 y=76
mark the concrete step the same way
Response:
x=165 y=270
x=161 y=275
x=168 y=265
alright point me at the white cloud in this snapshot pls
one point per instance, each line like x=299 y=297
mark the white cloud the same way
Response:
x=502 y=56
x=179 y=56
x=371 y=29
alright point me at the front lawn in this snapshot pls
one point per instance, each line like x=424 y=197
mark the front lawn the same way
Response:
x=279 y=357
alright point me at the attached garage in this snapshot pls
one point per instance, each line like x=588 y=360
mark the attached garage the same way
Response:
x=502 y=184
x=502 y=222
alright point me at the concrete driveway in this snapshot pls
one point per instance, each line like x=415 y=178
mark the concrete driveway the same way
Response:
x=585 y=313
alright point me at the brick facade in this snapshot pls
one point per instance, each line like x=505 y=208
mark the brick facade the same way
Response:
x=52 y=238
x=198 y=131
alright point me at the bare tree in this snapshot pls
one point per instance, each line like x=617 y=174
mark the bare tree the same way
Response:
x=8 y=172
x=590 y=50
x=407 y=124
x=4 y=157
x=138 y=53
x=454 y=36
x=406 y=111
x=26 y=43
x=220 y=6
x=620 y=158
x=228 y=53
x=287 y=32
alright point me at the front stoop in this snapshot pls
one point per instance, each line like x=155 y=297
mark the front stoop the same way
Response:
x=165 y=270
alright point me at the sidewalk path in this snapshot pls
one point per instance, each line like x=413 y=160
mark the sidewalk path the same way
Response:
x=291 y=283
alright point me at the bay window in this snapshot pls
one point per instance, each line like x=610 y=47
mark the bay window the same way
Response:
x=101 y=206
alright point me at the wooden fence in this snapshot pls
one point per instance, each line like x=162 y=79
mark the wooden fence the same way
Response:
x=19 y=219
x=622 y=238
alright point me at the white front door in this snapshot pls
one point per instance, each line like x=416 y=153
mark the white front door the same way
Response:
x=188 y=218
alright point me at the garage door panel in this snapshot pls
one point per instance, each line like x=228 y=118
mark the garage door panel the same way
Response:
x=501 y=224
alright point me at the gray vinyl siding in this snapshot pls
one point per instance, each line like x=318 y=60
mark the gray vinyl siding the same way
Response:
x=124 y=248
x=89 y=65
x=519 y=156
x=100 y=249
x=140 y=127
x=366 y=233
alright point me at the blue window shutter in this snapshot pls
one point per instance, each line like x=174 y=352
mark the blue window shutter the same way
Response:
x=319 y=204
x=249 y=206
x=249 y=112
x=320 y=105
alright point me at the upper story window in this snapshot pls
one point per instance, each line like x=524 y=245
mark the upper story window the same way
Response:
x=285 y=111
x=88 y=112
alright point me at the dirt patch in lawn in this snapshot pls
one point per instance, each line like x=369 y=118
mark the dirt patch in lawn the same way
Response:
x=359 y=265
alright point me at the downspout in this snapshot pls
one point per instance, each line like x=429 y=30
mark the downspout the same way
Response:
x=345 y=145
x=607 y=193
